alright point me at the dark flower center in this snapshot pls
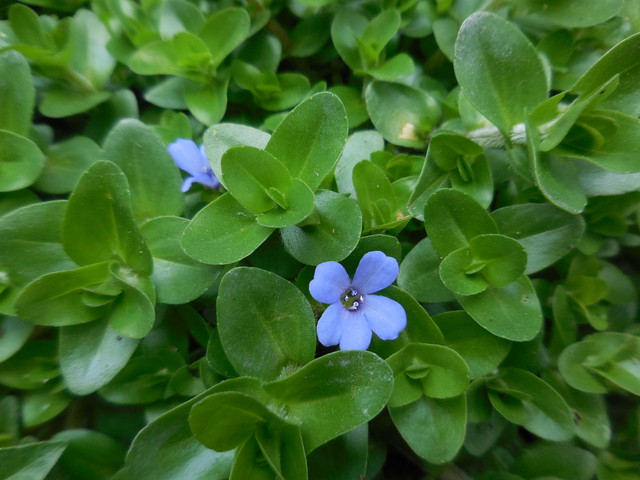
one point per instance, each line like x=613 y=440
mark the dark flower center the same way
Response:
x=351 y=299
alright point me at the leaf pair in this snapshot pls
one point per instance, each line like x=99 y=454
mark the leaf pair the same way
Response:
x=270 y=184
x=282 y=421
x=483 y=268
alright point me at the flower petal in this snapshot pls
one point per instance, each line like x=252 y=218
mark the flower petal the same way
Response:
x=186 y=185
x=186 y=155
x=329 y=282
x=375 y=272
x=384 y=316
x=209 y=180
x=330 y=325
x=356 y=334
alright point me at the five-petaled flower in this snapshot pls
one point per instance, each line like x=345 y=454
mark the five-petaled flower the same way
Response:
x=354 y=312
x=193 y=160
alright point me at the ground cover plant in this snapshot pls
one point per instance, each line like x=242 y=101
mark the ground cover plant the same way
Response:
x=324 y=239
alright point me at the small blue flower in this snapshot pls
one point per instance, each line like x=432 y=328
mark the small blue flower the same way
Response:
x=193 y=160
x=354 y=313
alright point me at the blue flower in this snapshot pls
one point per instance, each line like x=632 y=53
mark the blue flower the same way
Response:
x=193 y=160
x=354 y=313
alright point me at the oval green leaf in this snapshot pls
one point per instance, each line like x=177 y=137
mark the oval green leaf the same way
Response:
x=223 y=232
x=499 y=70
x=152 y=176
x=332 y=232
x=91 y=355
x=311 y=137
x=434 y=428
x=512 y=312
x=334 y=394
x=265 y=323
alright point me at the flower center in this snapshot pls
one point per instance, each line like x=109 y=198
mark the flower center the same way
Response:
x=351 y=299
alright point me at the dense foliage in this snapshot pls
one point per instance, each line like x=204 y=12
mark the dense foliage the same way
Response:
x=156 y=315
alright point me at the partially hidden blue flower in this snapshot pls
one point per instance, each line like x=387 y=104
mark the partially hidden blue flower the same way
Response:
x=193 y=160
x=354 y=313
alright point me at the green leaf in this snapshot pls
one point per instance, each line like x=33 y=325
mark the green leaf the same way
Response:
x=402 y=114
x=376 y=196
x=32 y=366
x=330 y=233
x=460 y=273
x=380 y=30
x=15 y=333
x=284 y=451
x=557 y=178
x=59 y=102
x=500 y=72
x=601 y=358
x=431 y=178
x=334 y=394
x=546 y=233
x=253 y=177
x=21 y=161
x=145 y=379
x=434 y=428
x=13 y=200
x=224 y=31
x=249 y=462
x=88 y=54
x=393 y=70
x=32 y=461
x=420 y=276
x=619 y=150
x=475 y=179
x=300 y=202
x=511 y=312
x=265 y=323
x=310 y=138
x=91 y=355
x=481 y=351
x=133 y=310
x=223 y=232
x=41 y=406
x=219 y=138
x=226 y=420
x=453 y=218
x=556 y=461
x=177 y=277
x=89 y=454
x=359 y=147
x=502 y=258
x=55 y=299
x=163 y=57
x=30 y=241
x=168 y=93
x=346 y=26
x=178 y=453
x=343 y=458
x=65 y=163
x=620 y=59
x=176 y=16
x=28 y=27
x=151 y=174
x=432 y=370
x=311 y=33
x=208 y=102
x=99 y=224
x=589 y=412
x=527 y=400
x=17 y=95
x=586 y=13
